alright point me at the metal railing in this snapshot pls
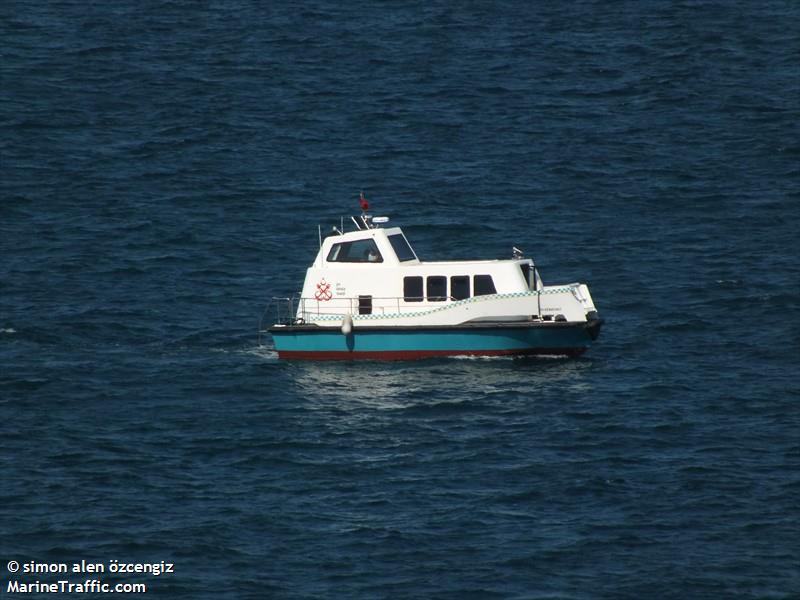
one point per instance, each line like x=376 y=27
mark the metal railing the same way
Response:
x=279 y=311
x=308 y=308
x=351 y=305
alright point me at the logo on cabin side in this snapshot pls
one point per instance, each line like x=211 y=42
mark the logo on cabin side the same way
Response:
x=323 y=292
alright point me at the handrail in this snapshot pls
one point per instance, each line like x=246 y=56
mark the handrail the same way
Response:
x=340 y=306
x=282 y=309
x=294 y=310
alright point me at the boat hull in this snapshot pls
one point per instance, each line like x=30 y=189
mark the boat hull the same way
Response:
x=311 y=342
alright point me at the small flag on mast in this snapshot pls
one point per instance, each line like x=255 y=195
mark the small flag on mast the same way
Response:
x=363 y=202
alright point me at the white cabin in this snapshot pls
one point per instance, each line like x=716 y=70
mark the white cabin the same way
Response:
x=374 y=276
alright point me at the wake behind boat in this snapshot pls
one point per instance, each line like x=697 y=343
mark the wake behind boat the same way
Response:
x=368 y=296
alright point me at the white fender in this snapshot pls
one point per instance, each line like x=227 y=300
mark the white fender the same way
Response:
x=347 y=325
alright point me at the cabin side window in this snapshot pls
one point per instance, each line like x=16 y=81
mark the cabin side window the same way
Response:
x=436 y=288
x=459 y=287
x=401 y=247
x=483 y=285
x=412 y=289
x=359 y=251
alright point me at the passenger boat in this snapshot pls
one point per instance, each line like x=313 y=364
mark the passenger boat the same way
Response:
x=368 y=295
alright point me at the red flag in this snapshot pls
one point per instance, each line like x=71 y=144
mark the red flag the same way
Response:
x=363 y=202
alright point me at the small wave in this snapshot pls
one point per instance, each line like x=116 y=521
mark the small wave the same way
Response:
x=477 y=357
x=507 y=357
x=259 y=351
x=8 y=330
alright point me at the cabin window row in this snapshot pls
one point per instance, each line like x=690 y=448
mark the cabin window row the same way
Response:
x=434 y=287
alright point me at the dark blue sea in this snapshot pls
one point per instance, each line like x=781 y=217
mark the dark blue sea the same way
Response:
x=163 y=170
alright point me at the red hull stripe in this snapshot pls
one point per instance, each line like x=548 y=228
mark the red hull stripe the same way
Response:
x=417 y=354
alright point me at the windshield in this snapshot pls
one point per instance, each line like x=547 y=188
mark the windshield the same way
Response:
x=401 y=247
x=357 y=251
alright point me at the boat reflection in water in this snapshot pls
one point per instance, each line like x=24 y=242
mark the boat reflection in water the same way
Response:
x=454 y=382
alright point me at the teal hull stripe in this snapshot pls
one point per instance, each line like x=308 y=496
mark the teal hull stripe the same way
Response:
x=442 y=340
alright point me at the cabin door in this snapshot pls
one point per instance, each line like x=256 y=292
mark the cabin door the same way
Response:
x=365 y=305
